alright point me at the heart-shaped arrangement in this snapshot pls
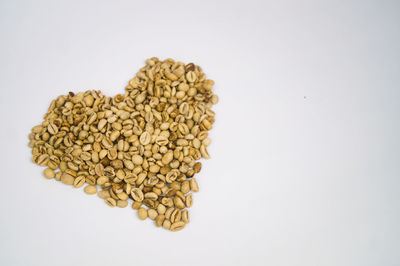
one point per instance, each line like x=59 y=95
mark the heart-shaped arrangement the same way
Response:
x=142 y=146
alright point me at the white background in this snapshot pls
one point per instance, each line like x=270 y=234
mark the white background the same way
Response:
x=305 y=155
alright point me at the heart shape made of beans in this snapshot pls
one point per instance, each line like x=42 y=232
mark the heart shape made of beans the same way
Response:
x=142 y=147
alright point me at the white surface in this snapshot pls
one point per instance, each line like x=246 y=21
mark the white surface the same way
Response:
x=305 y=154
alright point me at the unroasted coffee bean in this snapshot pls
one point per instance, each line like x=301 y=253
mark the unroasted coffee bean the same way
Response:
x=189 y=200
x=79 y=181
x=67 y=179
x=161 y=209
x=104 y=194
x=91 y=180
x=145 y=138
x=167 y=224
x=137 y=194
x=122 y=203
x=43 y=160
x=197 y=167
x=99 y=169
x=52 y=129
x=142 y=213
x=179 y=203
x=136 y=205
x=167 y=158
x=58 y=176
x=185 y=216
x=168 y=212
x=167 y=202
x=102 y=180
x=185 y=188
x=149 y=203
x=175 y=216
x=49 y=173
x=137 y=159
x=111 y=202
x=159 y=220
x=193 y=185
x=122 y=196
x=177 y=226
x=151 y=195
x=152 y=214
x=90 y=189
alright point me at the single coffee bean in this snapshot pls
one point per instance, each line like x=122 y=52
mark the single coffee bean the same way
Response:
x=160 y=220
x=142 y=213
x=177 y=226
x=79 y=181
x=152 y=214
x=67 y=179
x=89 y=189
x=48 y=173
x=111 y=202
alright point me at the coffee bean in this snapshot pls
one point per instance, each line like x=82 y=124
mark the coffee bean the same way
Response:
x=89 y=189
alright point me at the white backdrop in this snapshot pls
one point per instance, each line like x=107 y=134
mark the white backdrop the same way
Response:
x=304 y=165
